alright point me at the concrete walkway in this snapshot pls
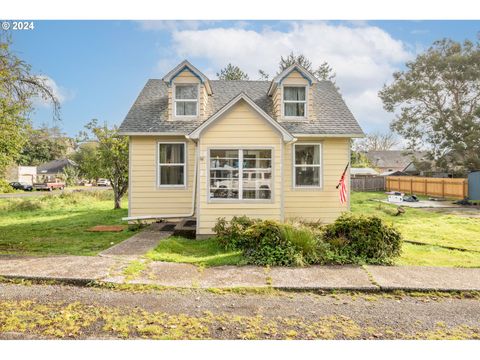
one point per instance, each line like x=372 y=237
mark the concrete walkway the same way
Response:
x=138 y=244
x=84 y=269
x=110 y=266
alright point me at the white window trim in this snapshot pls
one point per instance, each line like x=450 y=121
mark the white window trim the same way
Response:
x=305 y=102
x=240 y=171
x=320 y=165
x=158 y=165
x=174 y=99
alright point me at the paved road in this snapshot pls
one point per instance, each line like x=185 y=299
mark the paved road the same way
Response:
x=195 y=313
x=55 y=192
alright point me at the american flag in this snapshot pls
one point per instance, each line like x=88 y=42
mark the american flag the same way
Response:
x=343 y=186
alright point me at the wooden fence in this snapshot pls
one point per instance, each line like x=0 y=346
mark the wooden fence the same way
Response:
x=368 y=183
x=442 y=187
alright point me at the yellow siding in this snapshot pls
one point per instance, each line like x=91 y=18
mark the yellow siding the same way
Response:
x=241 y=126
x=277 y=102
x=324 y=204
x=295 y=78
x=145 y=197
x=186 y=77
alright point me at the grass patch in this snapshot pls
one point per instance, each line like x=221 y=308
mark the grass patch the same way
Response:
x=429 y=228
x=199 y=252
x=134 y=269
x=57 y=225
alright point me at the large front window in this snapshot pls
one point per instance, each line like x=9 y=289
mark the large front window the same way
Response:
x=243 y=174
x=307 y=165
x=171 y=164
x=186 y=100
x=294 y=101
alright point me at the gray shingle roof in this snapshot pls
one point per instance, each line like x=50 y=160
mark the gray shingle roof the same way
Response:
x=149 y=113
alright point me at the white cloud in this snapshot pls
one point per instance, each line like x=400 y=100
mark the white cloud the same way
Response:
x=59 y=92
x=364 y=57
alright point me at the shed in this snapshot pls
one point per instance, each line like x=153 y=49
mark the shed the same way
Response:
x=474 y=185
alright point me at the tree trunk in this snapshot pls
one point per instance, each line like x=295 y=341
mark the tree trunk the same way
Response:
x=117 y=199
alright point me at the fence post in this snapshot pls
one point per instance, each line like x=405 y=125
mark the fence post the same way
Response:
x=411 y=185
x=443 y=188
x=425 y=187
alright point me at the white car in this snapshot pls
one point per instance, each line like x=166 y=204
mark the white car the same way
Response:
x=103 y=182
x=252 y=180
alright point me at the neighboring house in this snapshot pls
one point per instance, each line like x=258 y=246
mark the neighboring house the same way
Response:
x=22 y=174
x=361 y=172
x=215 y=148
x=394 y=160
x=53 y=169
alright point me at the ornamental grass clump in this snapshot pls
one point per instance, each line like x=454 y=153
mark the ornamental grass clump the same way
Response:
x=363 y=239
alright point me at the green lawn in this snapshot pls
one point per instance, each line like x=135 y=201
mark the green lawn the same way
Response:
x=57 y=225
x=419 y=225
x=429 y=228
x=199 y=252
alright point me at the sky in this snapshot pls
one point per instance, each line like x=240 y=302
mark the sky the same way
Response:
x=98 y=68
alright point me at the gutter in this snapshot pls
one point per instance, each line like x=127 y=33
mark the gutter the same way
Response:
x=175 y=216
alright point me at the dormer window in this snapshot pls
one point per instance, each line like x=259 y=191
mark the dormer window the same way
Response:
x=186 y=100
x=294 y=101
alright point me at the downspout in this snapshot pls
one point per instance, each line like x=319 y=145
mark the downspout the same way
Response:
x=194 y=197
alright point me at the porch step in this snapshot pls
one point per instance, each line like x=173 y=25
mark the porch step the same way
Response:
x=186 y=228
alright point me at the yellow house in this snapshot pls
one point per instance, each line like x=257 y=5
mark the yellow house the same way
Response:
x=205 y=149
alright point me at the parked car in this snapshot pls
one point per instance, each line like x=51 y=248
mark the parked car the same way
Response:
x=49 y=186
x=21 y=186
x=103 y=182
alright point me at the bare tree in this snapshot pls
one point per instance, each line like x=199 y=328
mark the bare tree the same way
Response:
x=376 y=142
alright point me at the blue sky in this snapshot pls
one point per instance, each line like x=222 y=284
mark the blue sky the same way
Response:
x=99 y=67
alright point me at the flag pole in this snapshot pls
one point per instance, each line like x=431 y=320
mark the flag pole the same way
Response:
x=344 y=171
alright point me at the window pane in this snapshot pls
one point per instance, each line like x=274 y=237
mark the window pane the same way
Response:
x=171 y=175
x=186 y=108
x=294 y=93
x=307 y=176
x=307 y=154
x=172 y=154
x=186 y=92
x=223 y=159
x=224 y=174
x=257 y=184
x=294 y=109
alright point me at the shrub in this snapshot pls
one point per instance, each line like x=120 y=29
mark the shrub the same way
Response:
x=231 y=234
x=5 y=187
x=362 y=239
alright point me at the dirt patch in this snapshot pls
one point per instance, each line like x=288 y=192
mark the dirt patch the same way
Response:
x=107 y=228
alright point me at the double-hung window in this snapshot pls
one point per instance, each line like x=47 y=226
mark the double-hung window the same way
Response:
x=186 y=100
x=307 y=165
x=294 y=101
x=171 y=164
x=241 y=174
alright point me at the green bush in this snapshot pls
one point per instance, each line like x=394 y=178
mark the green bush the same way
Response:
x=5 y=187
x=231 y=234
x=362 y=239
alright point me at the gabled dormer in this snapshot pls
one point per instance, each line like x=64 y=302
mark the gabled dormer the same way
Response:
x=292 y=94
x=188 y=92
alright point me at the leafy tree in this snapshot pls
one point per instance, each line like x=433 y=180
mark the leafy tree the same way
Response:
x=86 y=158
x=70 y=175
x=18 y=88
x=111 y=157
x=376 y=142
x=43 y=145
x=323 y=72
x=232 y=72
x=437 y=100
